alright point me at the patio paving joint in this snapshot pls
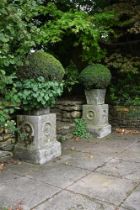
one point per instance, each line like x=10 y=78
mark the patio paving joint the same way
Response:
x=77 y=180
x=96 y=200
x=33 y=208
x=128 y=194
x=44 y=182
x=69 y=164
x=116 y=176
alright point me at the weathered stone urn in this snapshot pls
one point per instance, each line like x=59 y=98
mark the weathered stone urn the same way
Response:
x=95 y=96
x=39 y=145
x=95 y=112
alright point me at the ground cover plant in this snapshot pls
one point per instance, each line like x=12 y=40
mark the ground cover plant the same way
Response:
x=80 y=130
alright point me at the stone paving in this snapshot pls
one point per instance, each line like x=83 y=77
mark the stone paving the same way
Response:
x=90 y=175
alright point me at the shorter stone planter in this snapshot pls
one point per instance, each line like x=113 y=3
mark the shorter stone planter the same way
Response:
x=40 y=144
x=95 y=96
x=95 y=113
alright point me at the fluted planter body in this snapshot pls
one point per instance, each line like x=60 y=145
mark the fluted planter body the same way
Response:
x=95 y=96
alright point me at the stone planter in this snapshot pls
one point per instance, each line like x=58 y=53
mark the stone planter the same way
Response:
x=95 y=113
x=95 y=96
x=40 y=144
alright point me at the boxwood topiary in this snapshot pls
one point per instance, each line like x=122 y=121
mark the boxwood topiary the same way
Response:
x=95 y=76
x=42 y=64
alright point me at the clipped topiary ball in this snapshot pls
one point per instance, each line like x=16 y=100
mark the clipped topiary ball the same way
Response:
x=95 y=76
x=42 y=64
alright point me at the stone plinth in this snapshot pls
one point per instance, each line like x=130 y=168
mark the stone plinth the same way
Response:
x=96 y=117
x=39 y=143
x=100 y=131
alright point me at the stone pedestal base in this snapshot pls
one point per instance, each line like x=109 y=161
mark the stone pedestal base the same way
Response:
x=96 y=118
x=100 y=132
x=41 y=155
x=39 y=144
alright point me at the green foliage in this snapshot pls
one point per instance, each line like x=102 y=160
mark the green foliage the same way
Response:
x=125 y=92
x=42 y=64
x=71 y=77
x=18 y=31
x=95 y=76
x=5 y=80
x=9 y=101
x=87 y=29
x=124 y=64
x=128 y=13
x=17 y=36
x=123 y=54
x=80 y=128
x=39 y=93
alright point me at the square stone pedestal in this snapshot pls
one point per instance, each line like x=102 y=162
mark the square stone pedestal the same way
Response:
x=39 y=144
x=96 y=118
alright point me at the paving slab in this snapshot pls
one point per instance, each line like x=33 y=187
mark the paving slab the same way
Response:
x=99 y=174
x=69 y=201
x=84 y=160
x=102 y=187
x=58 y=175
x=6 y=175
x=131 y=154
x=110 y=149
x=135 y=147
x=55 y=173
x=17 y=168
x=26 y=191
x=20 y=168
x=120 y=168
x=133 y=201
x=111 y=144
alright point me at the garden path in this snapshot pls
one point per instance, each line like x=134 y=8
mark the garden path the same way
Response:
x=91 y=174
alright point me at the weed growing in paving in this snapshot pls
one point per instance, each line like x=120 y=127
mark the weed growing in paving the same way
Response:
x=80 y=129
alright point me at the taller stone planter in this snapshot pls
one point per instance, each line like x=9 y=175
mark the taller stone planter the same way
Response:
x=40 y=144
x=95 y=113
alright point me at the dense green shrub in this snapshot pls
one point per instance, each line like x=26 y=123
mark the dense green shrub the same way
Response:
x=71 y=77
x=42 y=64
x=125 y=90
x=17 y=36
x=8 y=100
x=95 y=76
x=38 y=94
